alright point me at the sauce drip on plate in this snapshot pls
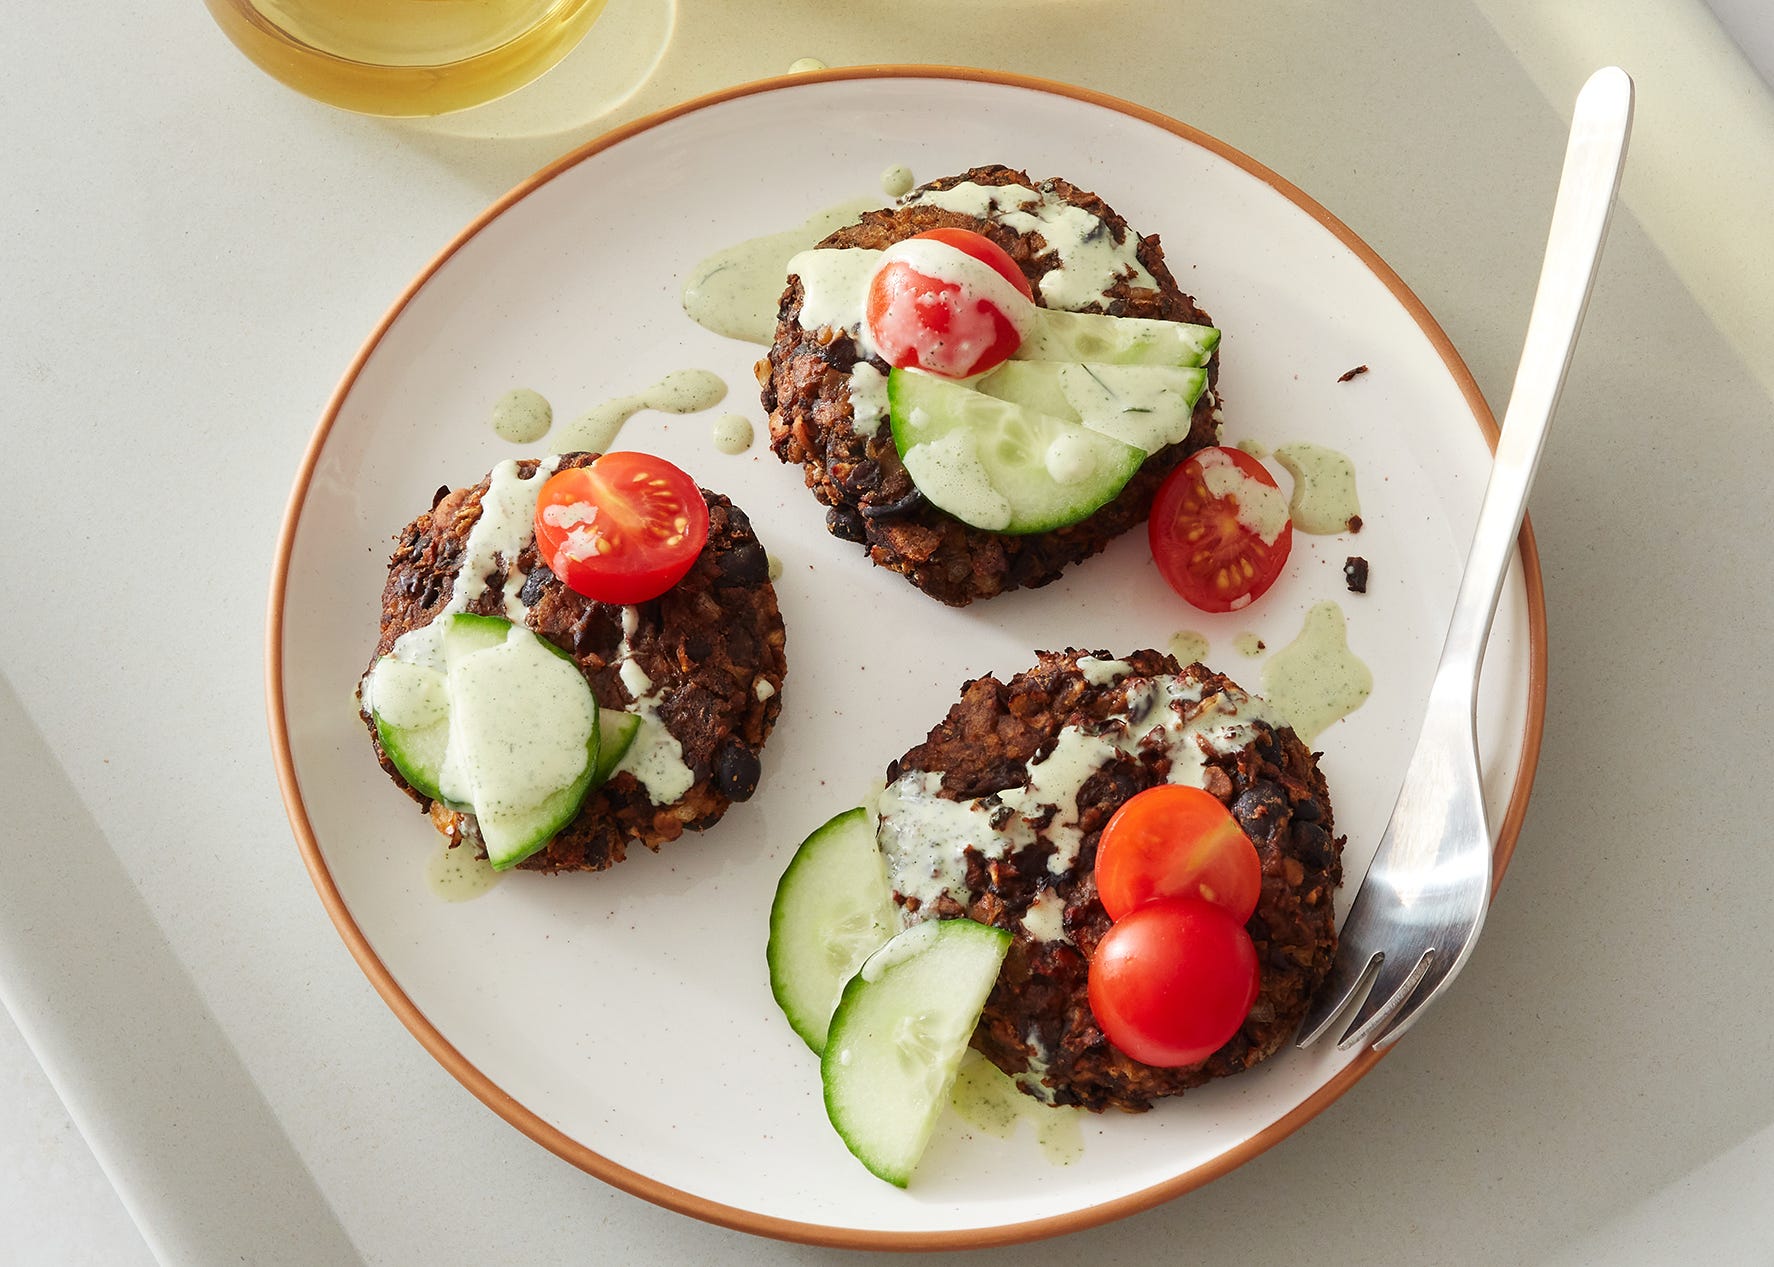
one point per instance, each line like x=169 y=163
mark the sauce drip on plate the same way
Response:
x=679 y=392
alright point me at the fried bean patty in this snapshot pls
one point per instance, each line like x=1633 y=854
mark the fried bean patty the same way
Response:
x=1037 y=1025
x=712 y=646
x=872 y=501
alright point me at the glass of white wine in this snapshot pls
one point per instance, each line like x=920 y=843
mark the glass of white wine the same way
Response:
x=405 y=57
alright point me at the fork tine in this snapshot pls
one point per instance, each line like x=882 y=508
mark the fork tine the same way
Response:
x=1345 y=982
x=1392 y=988
x=1440 y=972
x=1350 y=972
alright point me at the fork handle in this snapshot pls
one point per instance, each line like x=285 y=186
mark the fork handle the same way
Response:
x=1585 y=202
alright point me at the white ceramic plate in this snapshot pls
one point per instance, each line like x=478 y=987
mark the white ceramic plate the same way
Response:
x=624 y=1019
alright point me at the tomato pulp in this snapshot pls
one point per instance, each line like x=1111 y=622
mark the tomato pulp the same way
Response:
x=622 y=530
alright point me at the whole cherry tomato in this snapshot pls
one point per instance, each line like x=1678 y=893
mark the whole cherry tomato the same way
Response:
x=1176 y=841
x=1173 y=980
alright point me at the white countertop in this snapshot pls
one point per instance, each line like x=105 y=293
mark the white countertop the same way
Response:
x=192 y=255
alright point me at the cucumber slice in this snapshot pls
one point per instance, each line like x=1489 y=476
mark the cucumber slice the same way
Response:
x=999 y=465
x=410 y=705
x=1147 y=406
x=506 y=729
x=1091 y=336
x=833 y=909
x=898 y=1035
x=523 y=735
x=616 y=732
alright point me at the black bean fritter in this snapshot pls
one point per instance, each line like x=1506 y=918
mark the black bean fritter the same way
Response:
x=871 y=499
x=705 y=643
x=1273 y=788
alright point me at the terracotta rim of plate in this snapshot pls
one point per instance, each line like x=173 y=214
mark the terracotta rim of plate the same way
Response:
x=662 y=1194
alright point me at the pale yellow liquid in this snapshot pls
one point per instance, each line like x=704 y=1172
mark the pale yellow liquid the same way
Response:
x=405 y=57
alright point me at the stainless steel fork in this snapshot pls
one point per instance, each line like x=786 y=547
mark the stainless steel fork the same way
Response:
x=1420 y=908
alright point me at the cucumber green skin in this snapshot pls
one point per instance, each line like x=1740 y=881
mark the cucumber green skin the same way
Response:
x=958 y=969
x=837 y=874
x=1118 y=462
x=406 y=748
x=616 y=732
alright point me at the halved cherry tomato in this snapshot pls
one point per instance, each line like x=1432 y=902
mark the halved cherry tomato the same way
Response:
x=927 y=322
x=1219 y=530
x=622 y=530
x=1177 y=841
x=1172 y=981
